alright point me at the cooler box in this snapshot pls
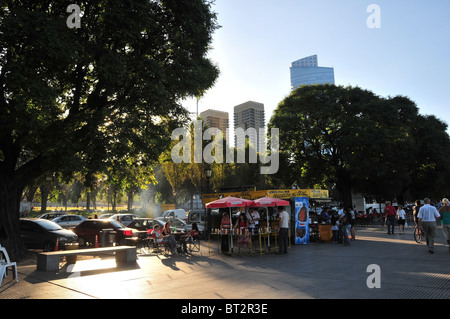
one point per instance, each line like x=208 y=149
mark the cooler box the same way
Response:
x=325 y=233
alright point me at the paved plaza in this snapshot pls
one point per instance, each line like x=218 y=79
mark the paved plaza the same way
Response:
x=315 y=271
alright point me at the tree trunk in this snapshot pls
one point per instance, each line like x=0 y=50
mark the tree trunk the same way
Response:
x=45 y=191
x=344 y=187
x=88 y=201
x=10 y=194
x=130 y=201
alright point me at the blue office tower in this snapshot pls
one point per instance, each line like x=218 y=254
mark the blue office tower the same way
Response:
x=306 y=72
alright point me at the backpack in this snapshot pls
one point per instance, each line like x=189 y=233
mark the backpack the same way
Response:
x=346 y=218
x=349 y=218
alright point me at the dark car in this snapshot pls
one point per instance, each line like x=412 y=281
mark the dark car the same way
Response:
x=44 y=234
x=143 y=226
x=90 y=228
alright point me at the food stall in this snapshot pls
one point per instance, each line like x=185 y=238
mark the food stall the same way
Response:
x=299 y=205
x=227 y=202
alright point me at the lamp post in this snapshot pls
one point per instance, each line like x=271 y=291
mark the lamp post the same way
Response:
x=208 y=173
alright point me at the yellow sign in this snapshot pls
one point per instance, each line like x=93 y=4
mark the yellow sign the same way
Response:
x=276 y=193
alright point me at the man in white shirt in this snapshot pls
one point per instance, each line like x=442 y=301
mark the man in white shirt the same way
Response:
x=427 y=219
x=283 y=230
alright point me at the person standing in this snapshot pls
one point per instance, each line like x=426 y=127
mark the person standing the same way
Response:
x=445 y=220
x=401 y=218
x=352 y=223
x=427 y=219
x=253 y=226
x=345 y=219
x=390 y=213
x=241 y=227
x=225 y=227
x=341 y=215
x=335 y=228
x=283 y=230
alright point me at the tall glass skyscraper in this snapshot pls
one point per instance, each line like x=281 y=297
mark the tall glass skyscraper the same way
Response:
x=306 y=72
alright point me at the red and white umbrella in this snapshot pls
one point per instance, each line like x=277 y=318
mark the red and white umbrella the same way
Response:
x=269 y=202
x=230 y=202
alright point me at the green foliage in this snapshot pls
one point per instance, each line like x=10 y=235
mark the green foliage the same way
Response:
x=352 y=139
x=88 y=98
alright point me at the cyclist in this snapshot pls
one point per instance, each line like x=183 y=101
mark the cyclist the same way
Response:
x=416 y=212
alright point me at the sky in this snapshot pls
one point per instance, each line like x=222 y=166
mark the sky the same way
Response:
x=408 y=55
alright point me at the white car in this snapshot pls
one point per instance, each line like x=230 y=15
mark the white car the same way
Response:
x=69 y=221
x=124 y=219
x=176 y=213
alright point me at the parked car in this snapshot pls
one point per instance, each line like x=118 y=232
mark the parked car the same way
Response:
x=124 y=219
x=90 y=228
x=178 y=213
x=104 y=216
x=51 y=216
x=43 y=234
x=69 y=221
x=199 y=216
x=142 y=224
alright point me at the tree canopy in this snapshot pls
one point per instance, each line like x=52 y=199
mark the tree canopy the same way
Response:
x=90 y=96
x=351 y=139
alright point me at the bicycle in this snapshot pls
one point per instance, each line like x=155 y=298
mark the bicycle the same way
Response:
x=419 y=233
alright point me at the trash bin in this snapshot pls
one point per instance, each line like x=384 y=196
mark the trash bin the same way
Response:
x=107 y=237
x=71 y=246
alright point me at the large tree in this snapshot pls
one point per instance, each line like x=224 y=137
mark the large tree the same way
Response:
x=82 y=97
x=347 y=137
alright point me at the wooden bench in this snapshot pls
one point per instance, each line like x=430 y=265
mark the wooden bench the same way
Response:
x=50 y=261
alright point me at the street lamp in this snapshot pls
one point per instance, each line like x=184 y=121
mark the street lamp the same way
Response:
x=208 y=173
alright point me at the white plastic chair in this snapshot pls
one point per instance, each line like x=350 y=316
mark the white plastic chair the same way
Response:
x=5 y=264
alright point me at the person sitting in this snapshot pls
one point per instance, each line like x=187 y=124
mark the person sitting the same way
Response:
x=160 y=238
x=193 y=234
x=166 y=230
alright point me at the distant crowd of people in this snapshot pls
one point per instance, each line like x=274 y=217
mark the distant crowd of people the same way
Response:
x=425 y=217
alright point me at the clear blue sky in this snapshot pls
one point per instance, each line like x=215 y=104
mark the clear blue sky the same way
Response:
x=258 y=39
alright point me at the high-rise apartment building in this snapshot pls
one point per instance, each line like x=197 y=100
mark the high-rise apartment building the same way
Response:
x=248 y=115
x=218 y=119
x=306 y=72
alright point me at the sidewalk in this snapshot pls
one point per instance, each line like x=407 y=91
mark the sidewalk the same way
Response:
x=317 y=271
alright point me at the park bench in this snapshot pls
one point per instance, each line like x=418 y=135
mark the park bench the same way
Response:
x=49 y=261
